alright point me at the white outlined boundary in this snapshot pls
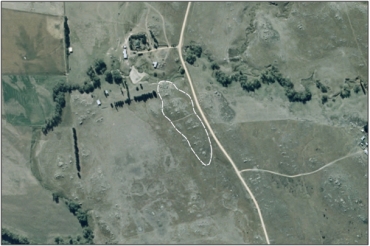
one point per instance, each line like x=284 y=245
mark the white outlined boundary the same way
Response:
x=192 y=104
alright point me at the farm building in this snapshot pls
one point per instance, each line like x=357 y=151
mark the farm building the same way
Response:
x=70 y=50
x=106 y=92
x=98 y=102
x=155 y=64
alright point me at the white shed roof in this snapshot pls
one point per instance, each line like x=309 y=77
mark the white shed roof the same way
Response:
x=98 y=102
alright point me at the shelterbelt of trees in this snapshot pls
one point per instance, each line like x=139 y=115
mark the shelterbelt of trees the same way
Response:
x=269 y=76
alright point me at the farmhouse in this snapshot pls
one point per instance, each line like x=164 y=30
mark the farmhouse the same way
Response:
x=98 y=102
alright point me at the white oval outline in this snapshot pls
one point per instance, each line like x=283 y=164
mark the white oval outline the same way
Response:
x=192 y=104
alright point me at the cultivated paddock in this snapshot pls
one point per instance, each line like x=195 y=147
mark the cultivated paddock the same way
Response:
x=32 y=43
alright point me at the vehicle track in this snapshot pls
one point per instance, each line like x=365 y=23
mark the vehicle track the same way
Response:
x=163 y=23
x=210 y=128
x=301 y=174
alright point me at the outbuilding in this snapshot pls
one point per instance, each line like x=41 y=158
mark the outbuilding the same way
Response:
x=70 y=50
x=106 y=92
x=98 y=102
x=125 y=53
x=155 y=64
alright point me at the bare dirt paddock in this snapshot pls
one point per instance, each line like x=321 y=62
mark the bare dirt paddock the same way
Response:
x=32 y=43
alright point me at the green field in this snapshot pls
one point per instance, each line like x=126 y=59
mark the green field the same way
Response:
x=28 y=99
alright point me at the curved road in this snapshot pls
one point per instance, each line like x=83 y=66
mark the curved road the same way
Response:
x=301 y=174
x=179 y=47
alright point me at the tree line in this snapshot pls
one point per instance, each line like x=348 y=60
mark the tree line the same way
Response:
x=8 y=237
x=272 y=74
x=86 y=238
x=115 y=76
x=77 y=155
x=269 y=76
x=154 y=39
x=66 y=34
x=59 y=90
x=145 y=97
x=77 y=211
x=87 y=234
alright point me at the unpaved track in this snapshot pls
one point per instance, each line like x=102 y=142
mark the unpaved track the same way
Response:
x=164 y=27
x=209 y=127
x=302 y=174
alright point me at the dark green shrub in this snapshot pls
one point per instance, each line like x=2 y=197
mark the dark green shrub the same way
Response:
x=215 y=66
x=345 y=92
x=190 y=58
x=100 y=66
x=324 y=99
x=109 y=77
x=222 y=78
x=356 y=89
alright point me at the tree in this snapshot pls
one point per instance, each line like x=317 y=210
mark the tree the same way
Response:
x=59 y=240
x=82 y=217
x=365 y=127
x=222 y=78
x=249 y=86
x=100 y=66
x=55 y=198
x=320 y=86
x=60 y=100
x=345 y=92
x=88 y=235
x=75 y=87
x=96 y=82
x=285 y=82
x=256 y=84
x=267 y=78
x=235 y=77
x=190 y=58
x=73 y=207
x=290 y=93
x=196 y=50
x=356 y=89
x=324 y=99
x=117 y=77
x=88 y=87
x=215 y=66
x=108 y=77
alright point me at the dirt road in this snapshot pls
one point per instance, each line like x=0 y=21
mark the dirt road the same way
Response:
x=179 y=47
x=302 y=174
